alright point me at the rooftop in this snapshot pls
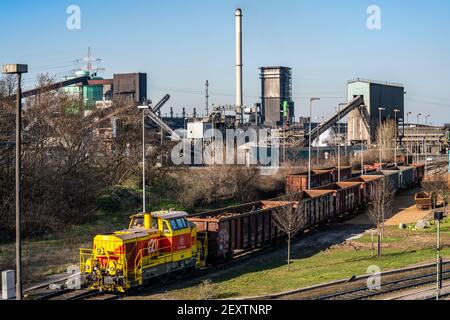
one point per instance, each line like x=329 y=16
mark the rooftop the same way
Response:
x=385 y=83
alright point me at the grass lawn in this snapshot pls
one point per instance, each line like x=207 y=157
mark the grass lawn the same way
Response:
x=269 y=274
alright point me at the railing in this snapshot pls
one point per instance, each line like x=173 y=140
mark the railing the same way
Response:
x=88 y=254
x=155 y=255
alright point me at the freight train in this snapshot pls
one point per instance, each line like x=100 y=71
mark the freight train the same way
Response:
x=169 y=243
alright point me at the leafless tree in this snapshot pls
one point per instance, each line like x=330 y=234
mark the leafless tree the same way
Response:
x=290 y=220
x=437 y=185
x=381 y=207
x=68 y=158
x=385 y=139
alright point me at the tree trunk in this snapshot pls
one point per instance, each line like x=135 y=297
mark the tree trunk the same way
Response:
x=289 y=251
x=373 y=246
x=379 y=245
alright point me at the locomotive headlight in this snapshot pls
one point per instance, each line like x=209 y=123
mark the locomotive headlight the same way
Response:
x=111 y=269
x=87 y=267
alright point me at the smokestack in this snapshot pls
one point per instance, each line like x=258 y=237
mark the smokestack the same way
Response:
x=239 y=102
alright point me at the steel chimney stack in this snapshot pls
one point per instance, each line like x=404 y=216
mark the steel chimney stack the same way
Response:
x=239 y=100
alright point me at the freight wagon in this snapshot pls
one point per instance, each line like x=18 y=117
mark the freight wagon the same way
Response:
x=234 y=230
x=347 y=197
x=346 y=173
x=299 y=182
x=391 y=178
x=370 y=183
x=319 y=177
x=407 y=177
x=419 y=173
x=317 y=208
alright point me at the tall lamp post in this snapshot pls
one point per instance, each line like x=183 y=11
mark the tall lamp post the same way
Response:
x=380 y=135
x=438 y=216
x=395 y=137
x=417 y=136
x=143 y=108
x=408 y=144
x=362 y=141
x=318 y=143
x=309 y=137
x=425 y=147
x=18 y=69
x=339 y=140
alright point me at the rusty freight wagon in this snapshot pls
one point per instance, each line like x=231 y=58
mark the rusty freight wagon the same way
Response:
x=424 y=200
x=406 y=177
x=317 y=208
x=419 y=173
x=299 y=182
x=391 y=178
x=346 y=173
x=348 y=197
x=370 y=183
x=234 y=230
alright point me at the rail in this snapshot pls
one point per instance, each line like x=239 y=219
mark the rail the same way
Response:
x=337 y=286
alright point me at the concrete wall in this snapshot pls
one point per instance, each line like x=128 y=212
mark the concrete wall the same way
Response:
x=354 y=120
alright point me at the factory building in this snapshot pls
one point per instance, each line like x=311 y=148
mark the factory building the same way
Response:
x=363 y=123
x=131 y=86
x=277 y=107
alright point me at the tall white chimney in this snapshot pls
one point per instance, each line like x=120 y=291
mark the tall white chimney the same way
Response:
x=239 y=100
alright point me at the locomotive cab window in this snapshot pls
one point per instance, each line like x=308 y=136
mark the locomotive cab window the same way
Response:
x=166 y=228
x=178 y=224
x=137 y=222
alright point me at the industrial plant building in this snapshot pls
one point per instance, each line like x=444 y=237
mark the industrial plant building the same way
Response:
x=277 y=107
x=128 y=86
x=363 y=123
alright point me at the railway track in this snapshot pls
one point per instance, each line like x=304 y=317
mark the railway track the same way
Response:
x=357 y=289
x=82 y=294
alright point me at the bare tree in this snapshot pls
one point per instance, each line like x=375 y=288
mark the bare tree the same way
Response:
x=290 y=220
x=68 y=158
x=437 y=185
x=381 y=207
x=385 y=139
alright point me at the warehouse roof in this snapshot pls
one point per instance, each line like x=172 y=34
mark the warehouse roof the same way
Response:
x=385 y=83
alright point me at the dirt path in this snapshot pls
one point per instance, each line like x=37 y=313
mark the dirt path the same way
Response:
x=406 y=211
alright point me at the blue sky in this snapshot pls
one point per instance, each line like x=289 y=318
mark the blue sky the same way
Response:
x=180 y=44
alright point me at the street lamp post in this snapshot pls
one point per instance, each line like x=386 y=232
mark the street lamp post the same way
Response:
x=438 y=216
x=318 y=143
x=408 y=144
x=143 y=108
x=425 y=147
x=417 y=136
x=395 y=139
x=18 y=69
x=362 y=142
x=380 y=135
x=309 y=137
x=339 y=140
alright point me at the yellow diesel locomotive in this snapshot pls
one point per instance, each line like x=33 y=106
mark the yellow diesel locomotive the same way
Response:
x=155 y=245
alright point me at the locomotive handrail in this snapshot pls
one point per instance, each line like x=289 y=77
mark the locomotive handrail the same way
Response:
x=138 y=261
x=90 y=253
